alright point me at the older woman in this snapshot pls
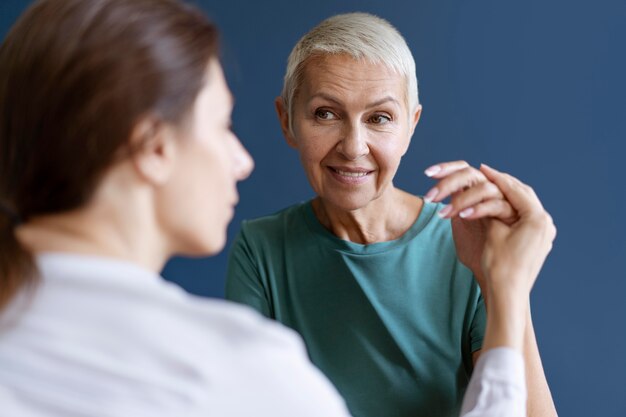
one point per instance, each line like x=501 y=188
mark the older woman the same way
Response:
x=365 y=272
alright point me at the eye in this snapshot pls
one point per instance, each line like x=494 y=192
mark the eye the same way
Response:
x=380 y=119
x=323 y=114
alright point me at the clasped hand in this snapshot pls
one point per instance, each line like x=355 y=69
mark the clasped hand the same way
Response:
x=498 y=223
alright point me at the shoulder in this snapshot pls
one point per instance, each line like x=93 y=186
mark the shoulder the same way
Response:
x=239 y=326
x=267 y=366
x=268 y=362
x=431 y=228
x=276 y=222
x=432 y=242
x=430 y=211
x=269 y=232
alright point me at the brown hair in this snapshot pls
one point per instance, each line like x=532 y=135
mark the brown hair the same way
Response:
x=75 y=78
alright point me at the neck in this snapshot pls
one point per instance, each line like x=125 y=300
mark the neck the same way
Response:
x=117 y=226
x=384 y=219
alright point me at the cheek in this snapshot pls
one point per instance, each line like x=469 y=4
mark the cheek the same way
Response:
x=314 y=142
x=219 y=172
x=203 y=177
x=310 y=154
x=388 y=153
x=314 y=149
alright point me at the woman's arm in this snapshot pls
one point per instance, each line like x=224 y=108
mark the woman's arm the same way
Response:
x=512 y=257
x=476 y=201
x=243 y=283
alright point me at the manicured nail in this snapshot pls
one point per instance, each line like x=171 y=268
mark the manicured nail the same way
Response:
x=466 y=213
x=430 y=196
x=445 y=211
x=432 y=170
x=488 y=167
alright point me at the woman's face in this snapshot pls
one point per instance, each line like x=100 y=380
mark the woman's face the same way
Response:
x=351 y=127
x=202 y=193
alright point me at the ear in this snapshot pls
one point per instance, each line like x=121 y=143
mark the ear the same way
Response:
x=283 y=117
x=415 y=118
x=155 y=156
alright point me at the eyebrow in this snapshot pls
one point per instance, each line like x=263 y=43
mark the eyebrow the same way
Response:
x=329 y=97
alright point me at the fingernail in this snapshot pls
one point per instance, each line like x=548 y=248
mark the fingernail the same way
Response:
x=445 y=211
x=487 y=166
x=430 y=196
x=432 y=170
x=466 y=213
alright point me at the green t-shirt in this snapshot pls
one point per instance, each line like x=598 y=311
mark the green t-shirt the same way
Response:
x=392 y=324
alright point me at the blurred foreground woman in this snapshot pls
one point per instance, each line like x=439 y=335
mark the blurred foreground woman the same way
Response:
x=115 y=154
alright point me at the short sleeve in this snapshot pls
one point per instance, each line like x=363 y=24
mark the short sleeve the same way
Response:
x=243 y=282
x=478 y=325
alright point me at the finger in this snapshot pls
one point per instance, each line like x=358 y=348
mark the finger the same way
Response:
x=455 y=182
x=498 y=209
x=497 y=231
x=470 y=197
x=520 y=196
x=444 y=168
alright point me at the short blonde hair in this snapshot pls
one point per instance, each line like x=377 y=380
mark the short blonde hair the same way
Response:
x=360 y=35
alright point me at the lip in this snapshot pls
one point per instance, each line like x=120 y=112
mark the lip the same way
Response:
x=231 y=210
x=235 y=200
x=359 y=175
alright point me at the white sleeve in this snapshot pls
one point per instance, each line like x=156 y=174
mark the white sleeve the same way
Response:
x=498 y=386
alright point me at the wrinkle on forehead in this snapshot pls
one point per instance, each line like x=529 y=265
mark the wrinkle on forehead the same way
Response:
x=350 y=80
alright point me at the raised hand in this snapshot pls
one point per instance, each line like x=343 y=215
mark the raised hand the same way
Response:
x=474 y=200
x=473 y=196
x=514 y=253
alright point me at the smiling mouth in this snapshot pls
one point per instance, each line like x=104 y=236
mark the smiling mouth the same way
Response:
x=351 y=176
x=354 y=172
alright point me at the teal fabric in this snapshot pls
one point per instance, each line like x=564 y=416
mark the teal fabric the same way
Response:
x=392 y=324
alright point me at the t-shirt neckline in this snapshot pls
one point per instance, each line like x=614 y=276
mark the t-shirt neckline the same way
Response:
x=426 y=213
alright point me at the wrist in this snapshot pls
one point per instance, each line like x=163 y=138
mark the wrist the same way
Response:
x=507 y=316
x=508 y=280
x=506 y=293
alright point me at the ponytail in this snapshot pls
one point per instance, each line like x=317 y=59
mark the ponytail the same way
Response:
x=17 y=266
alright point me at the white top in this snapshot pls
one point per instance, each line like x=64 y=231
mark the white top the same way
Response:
x=104 y=338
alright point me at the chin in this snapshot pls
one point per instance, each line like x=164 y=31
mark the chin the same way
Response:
x=213 y=248
x=347 y=201
x=209 y=244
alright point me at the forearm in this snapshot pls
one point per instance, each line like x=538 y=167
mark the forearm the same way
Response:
x=498 y=385
x=509 y=323
x=540 y=403
x=507 y=312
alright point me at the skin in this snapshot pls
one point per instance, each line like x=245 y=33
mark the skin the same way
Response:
x=351 y=127
x=352 y=120
x=175 y=196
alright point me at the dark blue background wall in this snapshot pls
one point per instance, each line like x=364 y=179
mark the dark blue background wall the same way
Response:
x=536 y=88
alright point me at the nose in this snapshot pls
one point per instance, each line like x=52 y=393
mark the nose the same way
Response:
x=242 y=161
x=353 y=145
